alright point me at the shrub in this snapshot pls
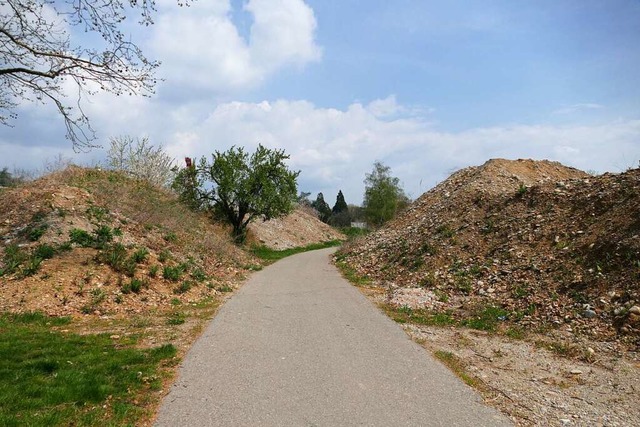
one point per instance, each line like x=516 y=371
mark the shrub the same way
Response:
x=153 y=270
x=13 y=258
x=116 y=257
x=140 y=255
x=80 y=237
x=103 y=236
x=44 y=251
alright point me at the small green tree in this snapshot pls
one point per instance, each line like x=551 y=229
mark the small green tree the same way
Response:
x=322 y=207
x=383 y=196
x=239 y=187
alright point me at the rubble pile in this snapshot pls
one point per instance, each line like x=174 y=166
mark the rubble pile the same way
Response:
x=551 y=245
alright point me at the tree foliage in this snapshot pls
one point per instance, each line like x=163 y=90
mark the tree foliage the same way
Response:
x=239 y=187
x=141 y=159
x=322 y=207
x=340 y=216
x=383 y=196
x=7 y=179
x=39 y=61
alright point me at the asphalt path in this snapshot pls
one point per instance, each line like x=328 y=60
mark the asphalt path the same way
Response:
x=299 y=346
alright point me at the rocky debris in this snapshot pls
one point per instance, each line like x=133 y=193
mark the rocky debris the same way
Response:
x=551 y=245
x=299 y=228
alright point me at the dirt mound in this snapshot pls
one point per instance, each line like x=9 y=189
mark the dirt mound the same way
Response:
x=300 y=228
x=97 y=242
x=546 y=245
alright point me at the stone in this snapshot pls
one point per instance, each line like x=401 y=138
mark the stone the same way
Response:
x=589 y=314
x=635 y=309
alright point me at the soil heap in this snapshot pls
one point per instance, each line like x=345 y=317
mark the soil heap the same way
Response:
x=300 y=228
x=86 y=241
x=550 y=245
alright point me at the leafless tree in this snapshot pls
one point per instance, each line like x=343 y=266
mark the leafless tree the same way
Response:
x=39 y=61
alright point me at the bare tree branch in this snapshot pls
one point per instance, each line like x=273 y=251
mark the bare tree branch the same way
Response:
x=37 y=57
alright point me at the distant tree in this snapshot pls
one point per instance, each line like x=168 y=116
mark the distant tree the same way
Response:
x=341 y=205
x=239 y=187
x=383 y=196
x=141 y=159
x=41 y=60
x=303 y=199
x=6 y=179
x=340 y=216
x=322 y=207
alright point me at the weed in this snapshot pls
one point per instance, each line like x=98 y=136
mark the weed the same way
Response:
x=103 y=235
x=170 y=237
x=520 y=291
x=442 y=296
x=183 y=287
x=515 y=332
x=175 y=301
x=65 y=247
x=164 y=256
x=116 y=256
x=153 y=270
x=486 y=318
x=13 y=258
x=199 y=275
x=406 y=314
x=521 y=191
x=427 y=281
x=34 y=233
x=140 y=255
x=97 y=213
x=225 y=288
x=445 y=231
x=136 y=285
x=44 y=251
x=80 y=237
x=31 y=267
x=177 y=318
x=352 y=275
x=463 y=284
x=172 y=273
x=456 y=365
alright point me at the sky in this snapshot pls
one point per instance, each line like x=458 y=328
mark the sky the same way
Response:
x=426 y=87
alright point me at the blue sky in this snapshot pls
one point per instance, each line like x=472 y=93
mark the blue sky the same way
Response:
x=426 y=87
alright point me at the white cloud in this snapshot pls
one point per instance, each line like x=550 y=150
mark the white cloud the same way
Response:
x=576 y=108
x=200 y=46
x=335 y=148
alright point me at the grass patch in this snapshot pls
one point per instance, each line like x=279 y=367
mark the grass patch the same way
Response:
x=455 y=364
x=485 y=318
x=52 y=378
x=418 y=316
x=352 y=275
x=272 y=255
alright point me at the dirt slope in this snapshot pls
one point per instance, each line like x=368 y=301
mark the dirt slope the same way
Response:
x=550 y=245
x=92 y=277
x=300 y=228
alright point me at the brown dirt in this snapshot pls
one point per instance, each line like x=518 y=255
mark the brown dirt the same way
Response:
x=557 y=252
x=300 y=228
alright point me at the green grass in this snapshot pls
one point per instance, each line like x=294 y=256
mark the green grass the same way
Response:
x=272 y=255
x=458 y=368
x=49 y=378
x=352 y=275
x=418 y=316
